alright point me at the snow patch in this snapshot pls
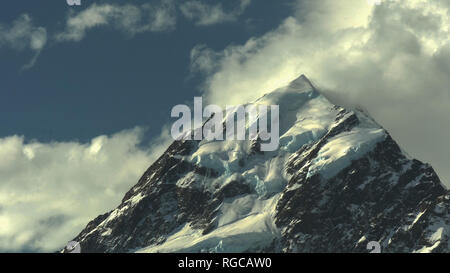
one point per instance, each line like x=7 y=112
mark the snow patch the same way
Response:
x=341 y=150
x=245 y=224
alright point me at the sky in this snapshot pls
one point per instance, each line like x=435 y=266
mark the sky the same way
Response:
x=86 y=91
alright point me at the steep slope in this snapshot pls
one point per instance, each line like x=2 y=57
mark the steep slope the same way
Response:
x=337 y=181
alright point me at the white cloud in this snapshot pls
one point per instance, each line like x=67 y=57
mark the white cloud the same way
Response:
x=50 y=191
x=128 y=18
x=208 y=14
x=392 y=58
x=22 y=34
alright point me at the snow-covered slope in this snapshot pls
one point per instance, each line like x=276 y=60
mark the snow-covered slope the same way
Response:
x=337 y=181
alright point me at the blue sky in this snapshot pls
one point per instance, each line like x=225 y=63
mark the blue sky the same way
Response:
x=109 y=80
x=86 y=92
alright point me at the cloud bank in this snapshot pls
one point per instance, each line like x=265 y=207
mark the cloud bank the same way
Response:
x=392 y=59
x=50 y=191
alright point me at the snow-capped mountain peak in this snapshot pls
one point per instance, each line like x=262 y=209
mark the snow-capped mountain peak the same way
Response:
x=301 y=83
x=337 y=181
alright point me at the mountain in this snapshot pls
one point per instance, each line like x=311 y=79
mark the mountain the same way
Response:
x=337 y=181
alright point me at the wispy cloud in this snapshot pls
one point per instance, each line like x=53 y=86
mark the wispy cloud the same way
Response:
x=22 y=34
x=128 y=18
x=203 y=13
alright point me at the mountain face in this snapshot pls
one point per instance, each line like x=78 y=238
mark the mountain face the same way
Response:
x=337 y=181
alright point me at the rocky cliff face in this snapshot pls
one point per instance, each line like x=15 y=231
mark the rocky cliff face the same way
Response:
x=337 y=181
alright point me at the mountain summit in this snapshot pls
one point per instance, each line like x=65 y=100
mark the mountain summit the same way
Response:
x=337 y=182
x=302 y=83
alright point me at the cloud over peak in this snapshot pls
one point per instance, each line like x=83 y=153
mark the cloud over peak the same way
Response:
x=390 y=58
